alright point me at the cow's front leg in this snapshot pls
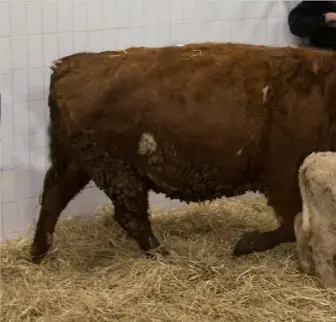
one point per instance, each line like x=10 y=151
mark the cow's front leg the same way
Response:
x=284 y=196
x=129 y=195
x=257 y=241
x=131 y=212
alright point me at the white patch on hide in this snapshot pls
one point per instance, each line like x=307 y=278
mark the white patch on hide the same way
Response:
x=265 y=91
x=239 y=152
x=55 y=64
x=147 y=144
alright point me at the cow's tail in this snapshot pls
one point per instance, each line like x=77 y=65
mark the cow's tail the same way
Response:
x=58 y=156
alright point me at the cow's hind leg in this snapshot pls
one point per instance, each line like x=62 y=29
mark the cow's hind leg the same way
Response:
x=60 y=186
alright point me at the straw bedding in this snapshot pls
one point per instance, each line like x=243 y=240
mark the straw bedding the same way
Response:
x=96 y=273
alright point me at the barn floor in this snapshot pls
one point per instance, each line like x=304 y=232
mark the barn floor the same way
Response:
x=95 y=273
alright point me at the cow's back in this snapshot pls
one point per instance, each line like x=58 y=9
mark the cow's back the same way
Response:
x=189 y=115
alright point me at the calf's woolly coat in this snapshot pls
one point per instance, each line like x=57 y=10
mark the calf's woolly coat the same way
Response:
x=195 y=123
x=316 y=225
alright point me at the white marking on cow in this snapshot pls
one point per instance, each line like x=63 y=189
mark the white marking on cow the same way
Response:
x=147 y=144
x=197 y=52
x=179 y=45
x=265 y=91
x=239 y=152
x=55 y=64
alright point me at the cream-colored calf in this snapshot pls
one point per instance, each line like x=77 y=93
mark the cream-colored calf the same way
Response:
x=315 y=227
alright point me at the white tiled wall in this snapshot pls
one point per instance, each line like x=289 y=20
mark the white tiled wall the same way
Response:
x=33 y=33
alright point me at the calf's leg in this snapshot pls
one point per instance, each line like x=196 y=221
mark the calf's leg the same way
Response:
x=60 y=186
x=323 y=245
x=303 y=238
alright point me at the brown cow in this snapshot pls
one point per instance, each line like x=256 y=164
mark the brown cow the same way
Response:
x=195 y=122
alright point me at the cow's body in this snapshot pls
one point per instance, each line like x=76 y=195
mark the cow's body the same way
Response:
x=195 y=122
x=316 y=225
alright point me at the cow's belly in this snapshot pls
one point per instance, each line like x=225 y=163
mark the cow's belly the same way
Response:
x=186 y=177
x=201 y=187
x=180 y=171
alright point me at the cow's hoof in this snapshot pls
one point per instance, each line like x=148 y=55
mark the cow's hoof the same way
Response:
x=247 y=244
x=157 y=253
x=38 y=253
